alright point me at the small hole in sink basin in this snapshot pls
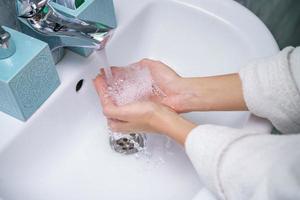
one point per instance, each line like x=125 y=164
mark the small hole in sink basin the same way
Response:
x=79 y=85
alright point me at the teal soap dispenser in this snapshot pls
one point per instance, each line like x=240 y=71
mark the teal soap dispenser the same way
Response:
x=7 y=46
x=27 y=74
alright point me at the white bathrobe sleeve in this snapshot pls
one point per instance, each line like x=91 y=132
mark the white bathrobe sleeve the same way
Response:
x=237 y=164
x=271 y=89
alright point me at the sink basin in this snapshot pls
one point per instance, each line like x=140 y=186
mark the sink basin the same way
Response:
x=62 y=152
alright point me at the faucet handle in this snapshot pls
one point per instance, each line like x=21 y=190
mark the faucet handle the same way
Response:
x=73 y=32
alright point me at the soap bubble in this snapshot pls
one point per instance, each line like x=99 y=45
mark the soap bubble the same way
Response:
x=132 y=83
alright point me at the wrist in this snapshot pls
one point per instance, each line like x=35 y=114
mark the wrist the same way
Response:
x=173 y=125
x=196 y=95
x=217 y=93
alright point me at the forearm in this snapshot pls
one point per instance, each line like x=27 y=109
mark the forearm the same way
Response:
x=216 y=93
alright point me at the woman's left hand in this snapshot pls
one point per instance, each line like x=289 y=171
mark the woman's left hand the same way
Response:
x=144 y=116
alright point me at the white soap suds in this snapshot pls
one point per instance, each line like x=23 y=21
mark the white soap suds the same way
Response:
x=130 y=84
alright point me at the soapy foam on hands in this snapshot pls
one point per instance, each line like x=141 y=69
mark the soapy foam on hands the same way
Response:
x=130 y=84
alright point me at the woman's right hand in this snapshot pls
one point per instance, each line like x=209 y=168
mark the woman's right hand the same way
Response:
x=216 y=93
x=169 y=82
x=142 y=116
x=175 y=92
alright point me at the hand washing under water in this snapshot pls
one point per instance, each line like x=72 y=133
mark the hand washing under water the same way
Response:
x=126 y=85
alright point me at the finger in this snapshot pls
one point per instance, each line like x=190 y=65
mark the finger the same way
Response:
x=114 y=69
x=123 y=127
x=101 y=88
x=111 y=67
x=146 y=62
x=113 y=112
x=113 y=74
x=122 y=113
x=109 y=109
x=110 y=120
x=102 y=72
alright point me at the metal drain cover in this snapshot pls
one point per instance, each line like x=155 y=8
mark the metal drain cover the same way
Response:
x=128 y=143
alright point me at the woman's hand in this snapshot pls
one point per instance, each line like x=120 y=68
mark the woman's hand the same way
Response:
x=142 y=116
x=215 y=93
x=175 y=92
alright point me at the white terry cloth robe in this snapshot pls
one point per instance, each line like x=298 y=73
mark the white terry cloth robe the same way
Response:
x=237 y=164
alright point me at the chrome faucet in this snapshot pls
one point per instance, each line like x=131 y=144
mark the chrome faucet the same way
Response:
x=59 y=30
x=7 y=46
x=4 y=38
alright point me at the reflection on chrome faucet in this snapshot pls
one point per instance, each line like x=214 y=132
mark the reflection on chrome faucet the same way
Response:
x=4 y=38
x=58 y=30
x=7 y=46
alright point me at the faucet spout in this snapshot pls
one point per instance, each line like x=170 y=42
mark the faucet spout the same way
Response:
x=59 y=30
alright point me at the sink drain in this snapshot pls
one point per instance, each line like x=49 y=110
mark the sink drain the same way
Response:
x=128 y=143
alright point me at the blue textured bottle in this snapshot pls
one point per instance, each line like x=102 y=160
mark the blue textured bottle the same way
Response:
x=27 y=76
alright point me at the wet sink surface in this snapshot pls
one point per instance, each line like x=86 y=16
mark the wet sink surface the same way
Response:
x=62 y=152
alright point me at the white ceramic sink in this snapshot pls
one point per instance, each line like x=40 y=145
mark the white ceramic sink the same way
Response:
x=62 y=151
